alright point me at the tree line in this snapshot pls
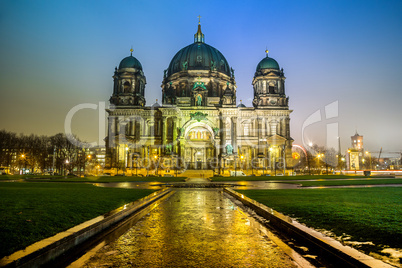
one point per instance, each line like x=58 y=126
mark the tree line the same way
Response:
x=39 y=154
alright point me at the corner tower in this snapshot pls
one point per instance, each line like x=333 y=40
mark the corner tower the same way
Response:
x=129 y=83
x=269 y=85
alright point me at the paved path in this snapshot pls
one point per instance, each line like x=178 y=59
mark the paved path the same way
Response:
x=193 y=228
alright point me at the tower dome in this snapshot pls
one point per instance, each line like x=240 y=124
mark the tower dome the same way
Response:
x=267 y=63
x=130 y=62
x=199 y=75
x=198 y=56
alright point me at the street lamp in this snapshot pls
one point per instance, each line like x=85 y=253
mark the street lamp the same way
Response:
x=66 y=167
x=88 y=159
x=125 y=159
x=318 y=161
x=156 y=165
x=241 y=161
x=369 y=154
x=25 y=162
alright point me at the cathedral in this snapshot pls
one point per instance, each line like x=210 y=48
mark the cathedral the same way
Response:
x=198 y=125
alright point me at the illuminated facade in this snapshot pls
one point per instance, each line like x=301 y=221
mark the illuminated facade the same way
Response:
x=355 y=156
x=198 y=125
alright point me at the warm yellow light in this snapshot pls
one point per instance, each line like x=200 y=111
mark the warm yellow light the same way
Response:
x=242 y=156
x=89 y=156
x=270 y=149
x=367 y=152
x=23 y=155
x=155 y=156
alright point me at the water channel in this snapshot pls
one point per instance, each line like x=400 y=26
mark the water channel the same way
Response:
x=193 y=228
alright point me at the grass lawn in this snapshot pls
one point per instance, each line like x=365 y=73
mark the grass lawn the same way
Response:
x=365 y=214
x=371 y=181
x=30 y=212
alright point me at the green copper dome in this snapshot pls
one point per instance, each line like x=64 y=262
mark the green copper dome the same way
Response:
x=268 y=63
x=130 y=62
x=198 y=56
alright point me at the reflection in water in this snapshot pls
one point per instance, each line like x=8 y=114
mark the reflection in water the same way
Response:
x=249 y=185
x=193 y=228
x=237 y=185
x=132 y=185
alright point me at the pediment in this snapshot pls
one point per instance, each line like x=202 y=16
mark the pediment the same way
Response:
x=276 y=139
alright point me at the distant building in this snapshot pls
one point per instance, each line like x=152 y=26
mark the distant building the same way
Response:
x=355 y=155
x=357 y=141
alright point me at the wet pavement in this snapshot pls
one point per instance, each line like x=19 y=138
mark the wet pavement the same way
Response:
x=193 y=228
x=237 y=185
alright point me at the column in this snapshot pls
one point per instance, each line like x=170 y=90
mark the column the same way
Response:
x=259 y=126
x=223 y=135
x=234 y=134
x=164 y=130
x=175 y=142
x=132 y=127
x=116 y=126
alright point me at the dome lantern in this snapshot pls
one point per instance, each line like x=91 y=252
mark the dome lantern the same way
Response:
x=199 y=36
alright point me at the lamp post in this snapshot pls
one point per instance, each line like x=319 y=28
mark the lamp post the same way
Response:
x=66 y=167
x=235 y=165
x=125 y=158
x=369 y=154
x=241 y=161
x=88 y=159
x=318 y=161
x=156 y=165
x=23 y=157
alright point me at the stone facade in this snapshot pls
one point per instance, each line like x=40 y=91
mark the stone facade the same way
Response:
x=198 y=125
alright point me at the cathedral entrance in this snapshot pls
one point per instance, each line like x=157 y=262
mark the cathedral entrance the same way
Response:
x=199 y=160
x=198 y=147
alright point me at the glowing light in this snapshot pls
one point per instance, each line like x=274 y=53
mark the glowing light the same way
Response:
x=300 y=147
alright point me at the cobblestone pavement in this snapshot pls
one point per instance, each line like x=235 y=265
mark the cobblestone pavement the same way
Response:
x=193 y=228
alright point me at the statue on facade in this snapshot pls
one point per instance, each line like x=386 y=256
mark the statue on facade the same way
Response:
x=229 y=149
x=213 y=65
x=216 y=131
x=199 y=100
x=168 y=149
x=184 y=66
x=181 y=132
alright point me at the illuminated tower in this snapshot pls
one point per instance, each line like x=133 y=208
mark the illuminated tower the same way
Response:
x=129 y=83
x=357 y=141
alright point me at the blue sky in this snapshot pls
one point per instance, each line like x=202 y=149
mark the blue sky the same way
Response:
x=58 y=54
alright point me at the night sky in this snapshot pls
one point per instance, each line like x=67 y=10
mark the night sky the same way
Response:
x=343 y=54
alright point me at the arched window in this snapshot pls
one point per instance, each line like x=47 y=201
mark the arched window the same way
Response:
x=127 y=87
